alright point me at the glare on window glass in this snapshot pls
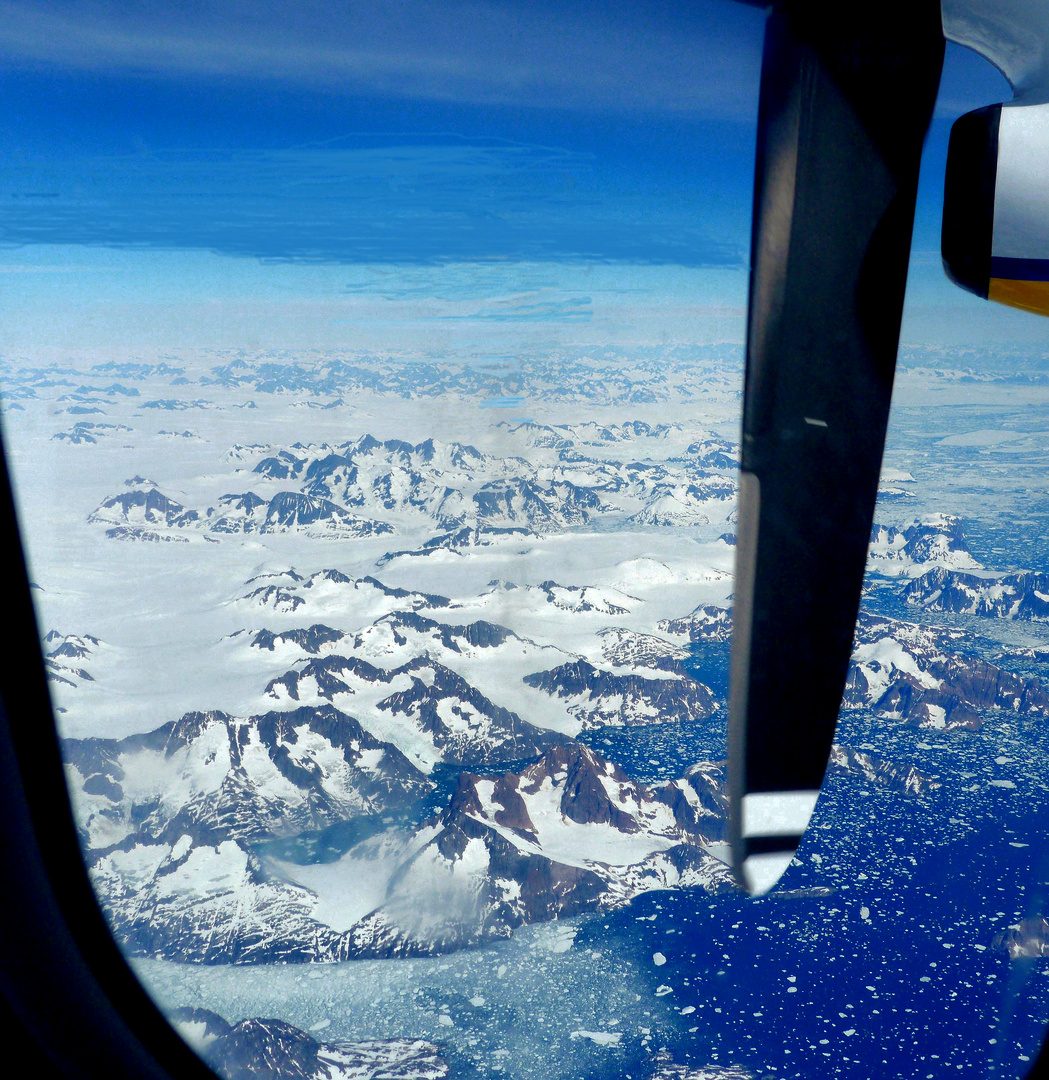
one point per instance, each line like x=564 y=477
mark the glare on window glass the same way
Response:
x=371 y=385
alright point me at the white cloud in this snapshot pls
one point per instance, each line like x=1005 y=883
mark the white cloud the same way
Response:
x=702 y=57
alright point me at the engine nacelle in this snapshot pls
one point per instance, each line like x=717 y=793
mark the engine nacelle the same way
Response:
x=995 y=239
x=996 y=195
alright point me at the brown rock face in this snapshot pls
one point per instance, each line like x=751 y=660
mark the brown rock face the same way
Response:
x=464 y=799
x=585 y=799
x=953 y=678
x=513 y=814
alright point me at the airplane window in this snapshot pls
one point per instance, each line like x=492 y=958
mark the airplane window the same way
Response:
x=371 y=388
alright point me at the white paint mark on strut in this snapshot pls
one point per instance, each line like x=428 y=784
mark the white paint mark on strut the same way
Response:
x=761 y=872
x=777 y=813
x=814 y=422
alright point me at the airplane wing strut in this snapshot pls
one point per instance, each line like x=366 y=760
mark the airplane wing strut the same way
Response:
x=847 y=93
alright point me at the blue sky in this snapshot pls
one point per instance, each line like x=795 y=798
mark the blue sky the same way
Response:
x=191 y=173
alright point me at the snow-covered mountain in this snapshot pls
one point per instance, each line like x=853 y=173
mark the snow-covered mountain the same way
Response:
x=243 y=513
x=329 y=592
x=400 y=632
x=208 y=903
x=570 y=598
x=65 y=656
x=904 y=778
x=569 y=833
x=368 y=486
x=392 y=475
x=88 y=432
x=651 y=375
x=625 y=648
x=1022 y=595
x=430 y=712
x=937 y=538
x=216 y=777
x=588 y=433
x=708 y=622
x=312 y=640
x=173 y=822
x=140 y=514
x=905 y=671
x=599 y=697
x=392 y=765
x=710 y=500
x=907 y=550
x=534 y=505
x=462 y=541
x=288 y=511
x=278 y=1050
x=932 y=677
x=713 y=453
x=180 y=824
x=450 y=484
x=600 y=674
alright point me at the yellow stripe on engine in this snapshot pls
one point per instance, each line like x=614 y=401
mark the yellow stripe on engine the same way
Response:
x=1027 y=295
